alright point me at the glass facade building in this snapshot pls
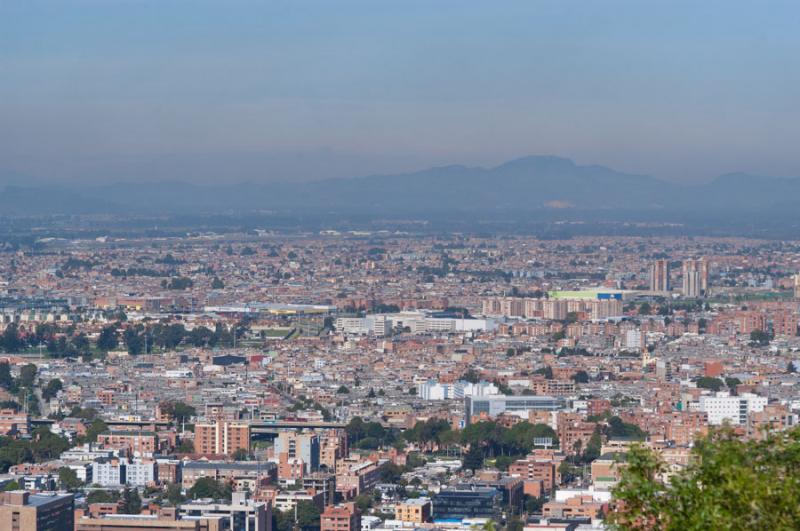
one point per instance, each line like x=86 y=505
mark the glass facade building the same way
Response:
x=473 y=502
x=497 y=404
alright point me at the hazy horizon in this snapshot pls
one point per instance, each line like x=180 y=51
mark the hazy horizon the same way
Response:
x=240 y=91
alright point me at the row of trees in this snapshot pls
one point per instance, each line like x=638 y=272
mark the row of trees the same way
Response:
x=136 y=338
x=43 y=446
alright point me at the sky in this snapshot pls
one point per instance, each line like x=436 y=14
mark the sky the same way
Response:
x=282 y=90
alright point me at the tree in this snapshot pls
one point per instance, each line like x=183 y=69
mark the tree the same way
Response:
x=131 y=501
x=519 y=438
x=503 y=462
x=102 y=496
x=618 y=428
x=178 y=283
x=471 y=376
x=533 y=504
x=282 y=520
x=68 y=479
x=308 y=515
x=593 y=447
x=10 y=340
x=368 y=443
x=581 y=377
x=180 y=411
x=759 y=337
x=707 y=382
x=732 y=383
x=97 y=427
x=174 y=494
x=208 y=487
x=200 y=336
x=6 y=380
x=47 y=444
x=240 y=455
x=217 y=283
x=391 y=473
x=81 y=342
x=12 y=485
x=108 y=338
x=134 y=341
x=185 y=447
x=343 y=390
x=364 y=502
x=473 y=460
x=729 y=484
x=515 y=524
x=169 y=336
x=27 y=375
x=52 y=389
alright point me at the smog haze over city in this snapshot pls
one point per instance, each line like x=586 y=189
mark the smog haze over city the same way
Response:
x=383 y=265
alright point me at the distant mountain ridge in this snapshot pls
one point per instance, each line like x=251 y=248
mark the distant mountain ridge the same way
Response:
x=532 y=183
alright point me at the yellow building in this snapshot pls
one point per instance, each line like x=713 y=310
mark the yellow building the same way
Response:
x=417 y=510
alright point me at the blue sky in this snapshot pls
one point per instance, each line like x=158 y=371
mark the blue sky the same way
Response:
x=109 y=90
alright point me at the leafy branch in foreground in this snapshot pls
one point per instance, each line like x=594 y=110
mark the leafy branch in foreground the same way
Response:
x=730 y=484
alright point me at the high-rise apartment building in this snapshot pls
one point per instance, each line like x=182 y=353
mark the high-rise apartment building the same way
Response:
x=695 y=278
x=659 y=276
x=299 y=445
x=333 y=446
x=221 y=437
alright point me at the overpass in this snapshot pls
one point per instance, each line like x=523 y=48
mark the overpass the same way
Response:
x=265 y=427
x=273 y=426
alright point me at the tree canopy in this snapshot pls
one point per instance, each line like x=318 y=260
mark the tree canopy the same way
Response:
x=730 y=484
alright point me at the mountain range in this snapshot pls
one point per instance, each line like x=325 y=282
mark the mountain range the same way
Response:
x=530 y=184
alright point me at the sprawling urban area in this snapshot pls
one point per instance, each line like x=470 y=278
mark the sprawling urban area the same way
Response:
x=376 y=380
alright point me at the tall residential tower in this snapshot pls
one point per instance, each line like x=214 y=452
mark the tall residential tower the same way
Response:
x=659 y=276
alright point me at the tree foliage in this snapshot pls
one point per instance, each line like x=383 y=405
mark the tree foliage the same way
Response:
x=52 y=388
x=618 y=428
x=68 y=479
x=42 y=447
x=131 y=502
x=179 y=411
x=108 y=338
x=208 y=487
x=708 y=382
x=730 y=484
x=473 y=459
x=102 y=496
x=495 y=440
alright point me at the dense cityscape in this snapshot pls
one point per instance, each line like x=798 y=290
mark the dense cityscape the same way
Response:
x=399 y=265
x=346 y=381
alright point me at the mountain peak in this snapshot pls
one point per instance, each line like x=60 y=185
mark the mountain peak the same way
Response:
x=538 y=162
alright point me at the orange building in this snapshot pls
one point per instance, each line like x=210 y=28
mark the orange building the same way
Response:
x=140 y=443
x=340 y=518
x=220 y=437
